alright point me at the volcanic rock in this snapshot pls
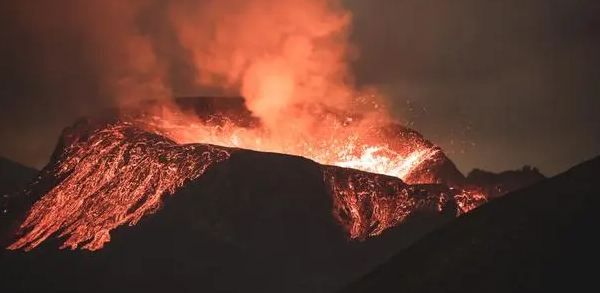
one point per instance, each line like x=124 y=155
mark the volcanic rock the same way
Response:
x=252 y=221
x=539 y=239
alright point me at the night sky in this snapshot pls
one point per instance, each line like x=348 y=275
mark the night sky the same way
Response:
x=497 y=84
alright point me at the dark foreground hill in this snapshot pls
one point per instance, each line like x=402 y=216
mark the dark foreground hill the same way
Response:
x=13 y=175
x=543 y=238
x=253 y=222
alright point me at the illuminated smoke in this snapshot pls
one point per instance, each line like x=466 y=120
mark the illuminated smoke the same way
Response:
x=281 y=55
x=278 y=54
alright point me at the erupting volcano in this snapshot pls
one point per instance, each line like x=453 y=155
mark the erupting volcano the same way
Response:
x=292 y=67
x=262 y=146
x=113 y=172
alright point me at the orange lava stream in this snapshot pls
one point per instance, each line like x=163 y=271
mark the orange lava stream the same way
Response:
x=111 y=181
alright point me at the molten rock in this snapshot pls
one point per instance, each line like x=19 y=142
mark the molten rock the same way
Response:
x=110 y=177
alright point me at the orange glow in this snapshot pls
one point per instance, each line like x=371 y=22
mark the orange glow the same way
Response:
x=277 y=54
x=357 y=144
x=290 y=60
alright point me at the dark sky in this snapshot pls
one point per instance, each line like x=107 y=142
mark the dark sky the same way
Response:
x=498 y=84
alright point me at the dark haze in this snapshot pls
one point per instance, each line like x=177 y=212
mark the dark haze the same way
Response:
x=497 y=84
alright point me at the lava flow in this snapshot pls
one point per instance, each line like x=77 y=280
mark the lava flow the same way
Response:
x=368 y=205
x=114 y=177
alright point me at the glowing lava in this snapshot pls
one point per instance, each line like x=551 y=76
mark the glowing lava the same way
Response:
x=366 y=205
x=114 y=177
x=360 y=144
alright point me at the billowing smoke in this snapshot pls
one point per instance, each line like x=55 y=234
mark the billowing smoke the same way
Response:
x=130 y=69
x=283 y=56
x=278 y=53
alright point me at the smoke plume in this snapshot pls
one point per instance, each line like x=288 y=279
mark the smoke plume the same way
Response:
x=279 y=54
x=283 y=56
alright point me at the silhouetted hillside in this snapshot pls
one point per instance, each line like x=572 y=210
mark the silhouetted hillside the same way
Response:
x=498 y=184
x=255 y=222
x=539 y=239
x=13 y=175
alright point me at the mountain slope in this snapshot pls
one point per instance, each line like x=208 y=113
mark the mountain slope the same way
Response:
x=541 y=238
